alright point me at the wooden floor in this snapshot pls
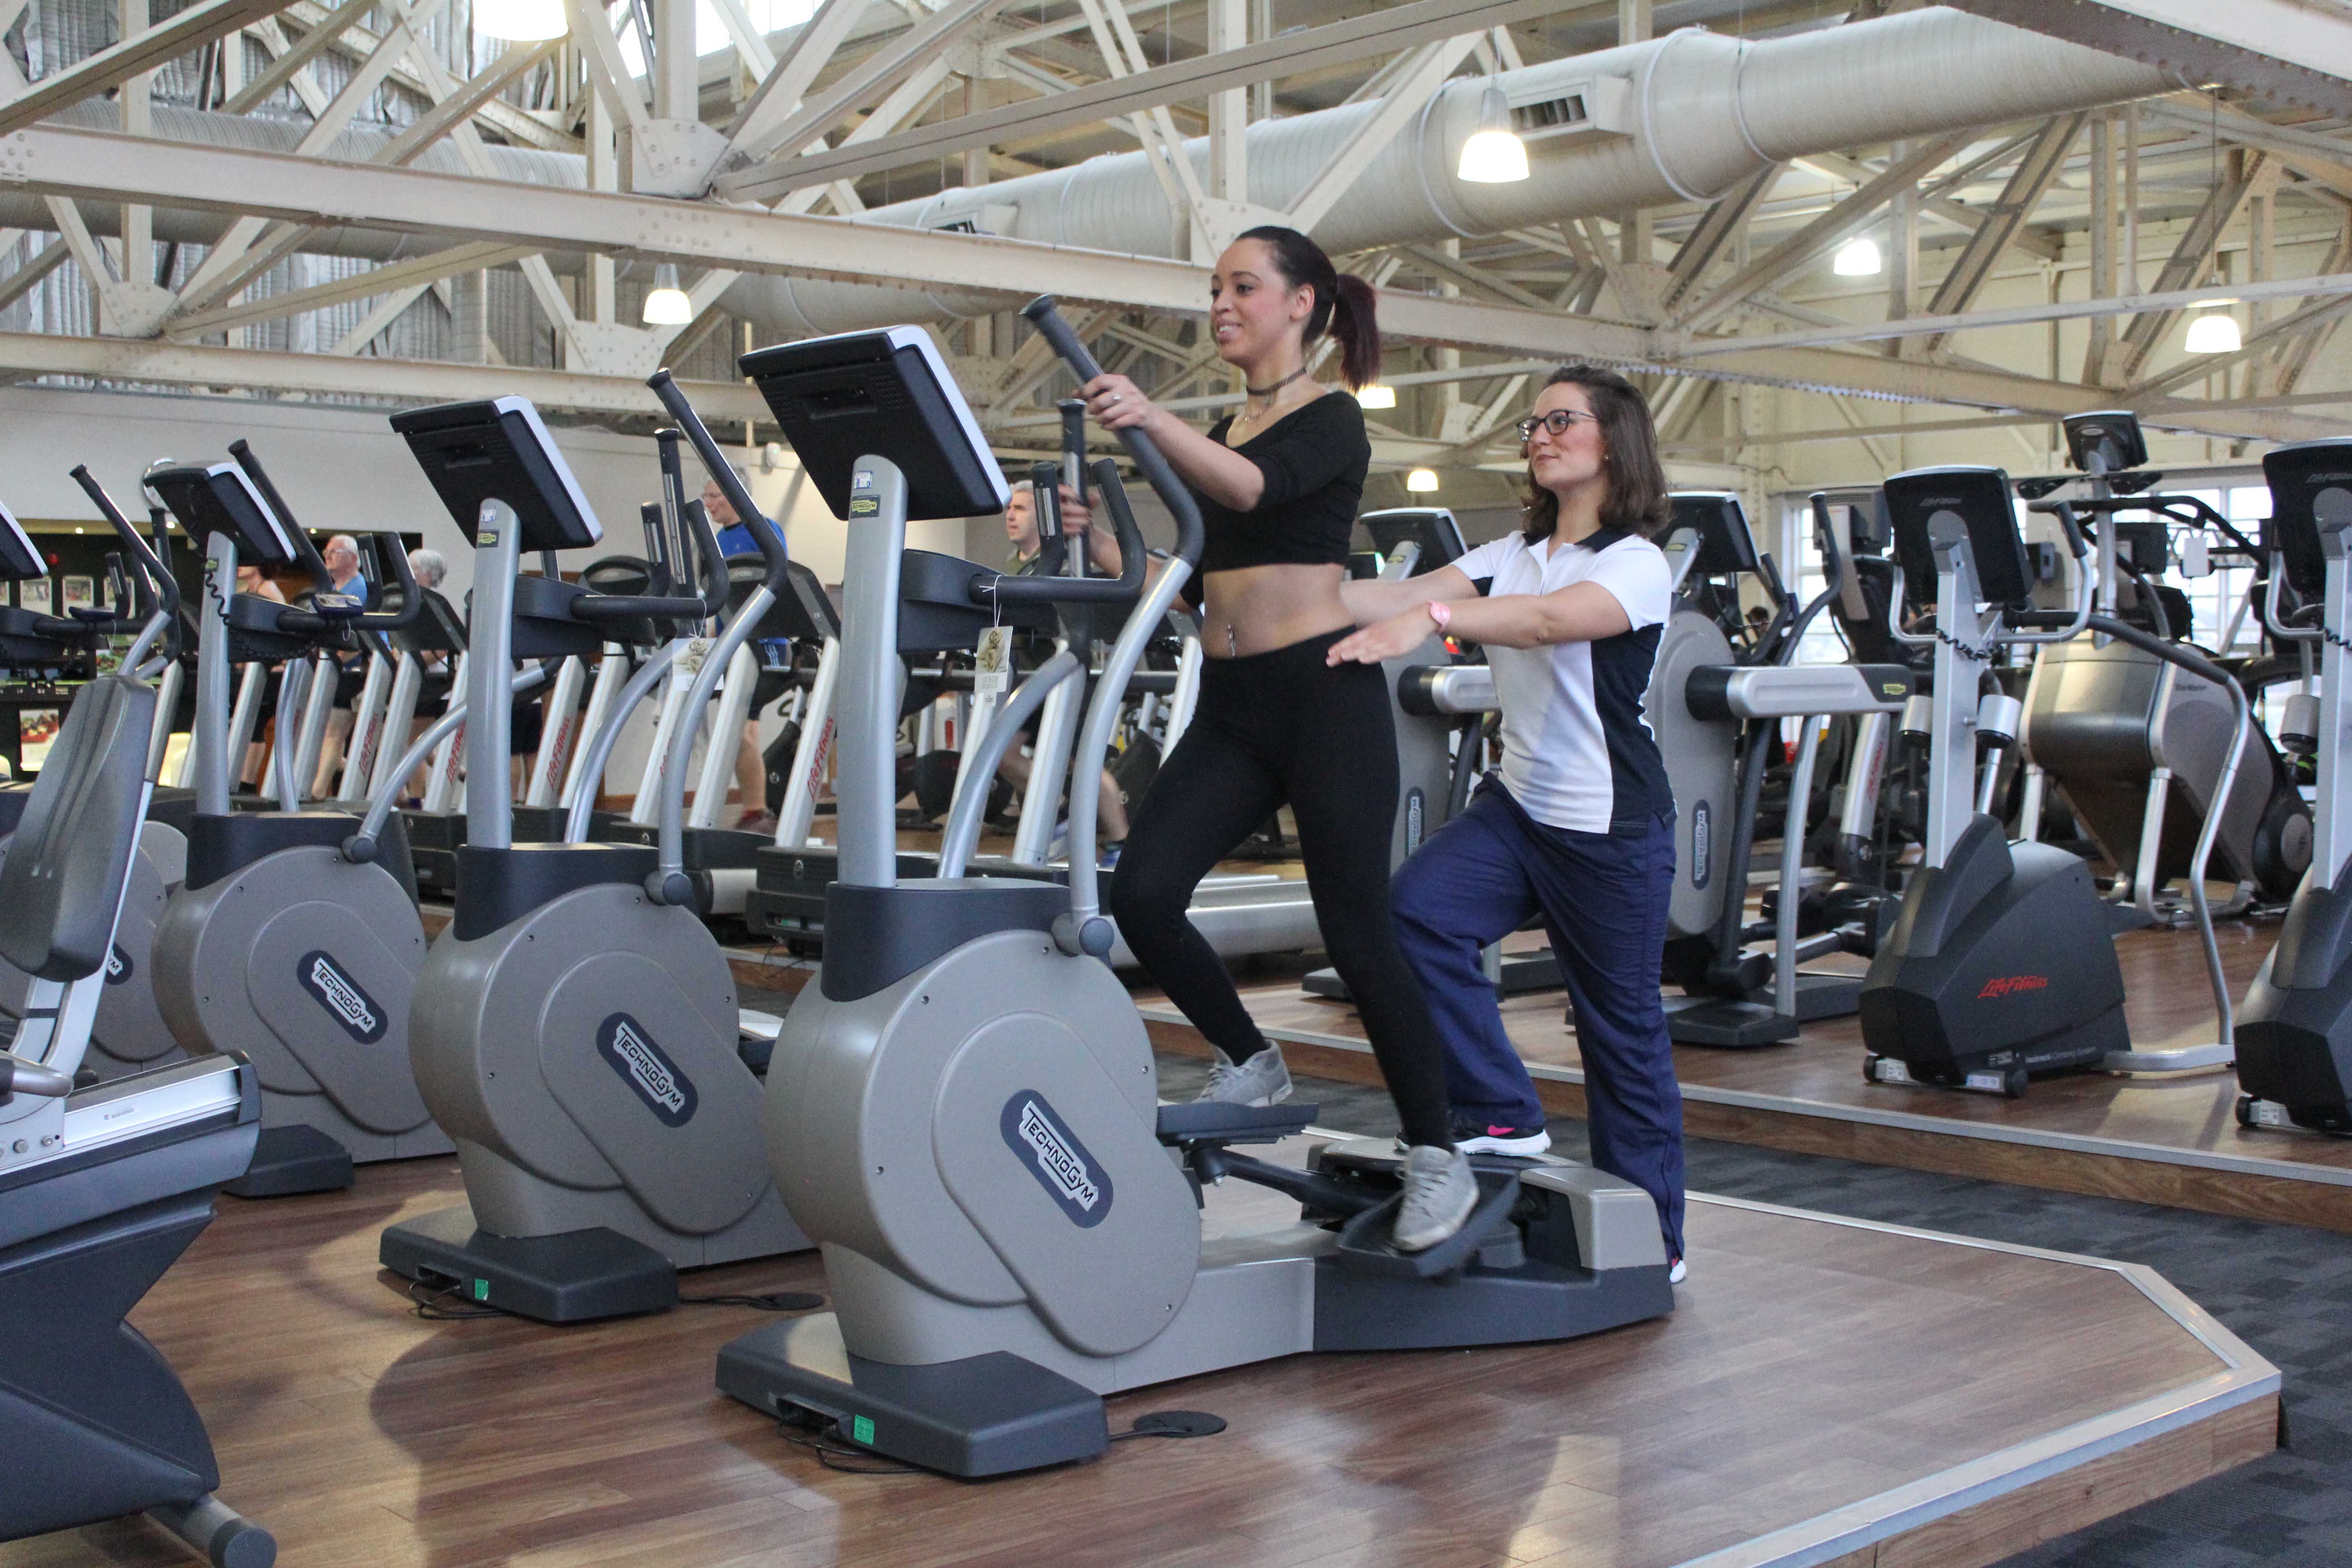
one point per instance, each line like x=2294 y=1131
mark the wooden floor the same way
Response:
x=2169 y=1139
x=1824 y=1387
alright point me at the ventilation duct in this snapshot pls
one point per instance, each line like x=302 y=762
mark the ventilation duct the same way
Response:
x=1681 y=118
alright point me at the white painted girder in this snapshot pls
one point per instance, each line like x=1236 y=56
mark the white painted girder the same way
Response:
x=403 y=382
x=105 y=166
x=2297 y=50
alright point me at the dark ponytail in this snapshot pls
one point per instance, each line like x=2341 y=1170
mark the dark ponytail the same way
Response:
x=1345 y=304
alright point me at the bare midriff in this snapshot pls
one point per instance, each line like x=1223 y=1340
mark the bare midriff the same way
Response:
x=1256 y=609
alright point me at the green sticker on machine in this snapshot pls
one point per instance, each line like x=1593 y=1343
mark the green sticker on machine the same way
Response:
x=481 y=1290
x=861 y=1429
x=863 y=506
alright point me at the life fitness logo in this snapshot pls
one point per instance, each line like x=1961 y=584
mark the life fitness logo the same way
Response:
x=342 y=996
x=2001 y=986
x=1045 y=1144
x=647 y=1069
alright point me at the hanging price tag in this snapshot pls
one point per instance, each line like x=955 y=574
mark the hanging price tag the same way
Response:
x=995 y=668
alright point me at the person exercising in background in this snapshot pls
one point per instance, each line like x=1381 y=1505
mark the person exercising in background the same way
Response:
x=251 y=580
x=341 y=556
x=1277 y=721
x=1102 y=561
x=1578 y=826
x=750 y=766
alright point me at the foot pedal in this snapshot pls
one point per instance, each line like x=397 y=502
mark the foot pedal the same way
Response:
x=1365 y=1247
x=292 y=1160
x=1207 y=1122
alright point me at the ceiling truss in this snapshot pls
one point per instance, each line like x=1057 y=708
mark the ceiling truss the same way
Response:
x=814 y=123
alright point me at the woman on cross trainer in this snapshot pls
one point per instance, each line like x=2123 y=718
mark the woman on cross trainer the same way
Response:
x=1579 y=824
x=1278 y=721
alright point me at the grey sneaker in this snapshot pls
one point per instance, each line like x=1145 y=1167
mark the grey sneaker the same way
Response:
x=1262 y=1079
x=1439 y=1193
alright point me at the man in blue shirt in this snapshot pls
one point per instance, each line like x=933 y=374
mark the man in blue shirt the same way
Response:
x=751 y=771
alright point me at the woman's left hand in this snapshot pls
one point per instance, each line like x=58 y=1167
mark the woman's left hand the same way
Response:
x=1382 y=640
x=1115 y=401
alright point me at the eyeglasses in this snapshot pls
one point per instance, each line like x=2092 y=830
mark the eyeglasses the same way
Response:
x=1558 y=422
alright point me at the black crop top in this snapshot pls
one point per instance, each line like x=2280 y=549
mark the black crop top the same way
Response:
x=1313 y=460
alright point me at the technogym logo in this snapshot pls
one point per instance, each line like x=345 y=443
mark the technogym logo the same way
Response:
x=118 y=965
x=343 y=998
x=645 y=1067
x=1051 y=1153
x=1702 y=831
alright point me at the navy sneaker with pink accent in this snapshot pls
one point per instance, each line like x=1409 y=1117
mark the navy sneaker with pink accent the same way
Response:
x=1476 y=1135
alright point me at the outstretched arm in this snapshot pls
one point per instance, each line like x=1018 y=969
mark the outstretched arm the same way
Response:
x=1581 y=612
x=1369 y=601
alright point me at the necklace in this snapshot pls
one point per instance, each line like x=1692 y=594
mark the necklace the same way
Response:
x=1277 y=387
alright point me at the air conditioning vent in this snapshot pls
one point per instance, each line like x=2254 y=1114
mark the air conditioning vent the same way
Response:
x=1553 y=115
x=1576 y=109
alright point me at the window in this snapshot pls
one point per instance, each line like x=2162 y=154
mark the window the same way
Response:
x=710 y=32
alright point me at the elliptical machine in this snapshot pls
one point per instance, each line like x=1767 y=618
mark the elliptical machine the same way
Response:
x=280 y=944
x=2000 y=967
x=574 y=1029
x=2136 y=746
x=101 y=1188
x=963 y=1112
x=2295 y=1035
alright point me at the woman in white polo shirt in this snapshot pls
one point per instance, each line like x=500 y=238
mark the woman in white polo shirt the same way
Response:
x=1577 y=825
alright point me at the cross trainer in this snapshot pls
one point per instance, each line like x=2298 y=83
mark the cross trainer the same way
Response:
x=964 y=1110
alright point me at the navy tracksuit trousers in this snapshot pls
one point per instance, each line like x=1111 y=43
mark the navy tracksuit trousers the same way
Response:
x=1603 y=896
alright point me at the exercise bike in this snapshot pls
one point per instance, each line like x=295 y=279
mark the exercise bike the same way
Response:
x=129 y=1031
x=963 y=1110
x=103 y=1188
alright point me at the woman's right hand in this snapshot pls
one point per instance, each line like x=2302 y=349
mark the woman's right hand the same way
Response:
x=1117 y=404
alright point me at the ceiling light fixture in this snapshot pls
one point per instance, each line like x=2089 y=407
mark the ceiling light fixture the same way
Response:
x=1421 y=481
x=2214 y=332
x=1372 y=395
x=667 y=305
x=1494 y=155
x=522 y=21
x=1858 y=258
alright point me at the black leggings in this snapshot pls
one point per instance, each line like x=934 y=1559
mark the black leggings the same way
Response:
x=1272 y=728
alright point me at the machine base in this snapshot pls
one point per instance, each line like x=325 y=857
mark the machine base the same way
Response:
x=574 y=1278
x=1740 y=1025
x=2270 y=1115
x=1521 y=973
x=985 y=1415
x=292 y=1160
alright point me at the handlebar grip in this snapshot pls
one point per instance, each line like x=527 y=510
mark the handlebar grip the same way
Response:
x=304 y=551
x=1044 y=314
x=1056 y=589
x=764 y=532
x=150 y=565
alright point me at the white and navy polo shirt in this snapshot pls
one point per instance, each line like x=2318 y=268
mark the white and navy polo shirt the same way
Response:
x=1578 y=752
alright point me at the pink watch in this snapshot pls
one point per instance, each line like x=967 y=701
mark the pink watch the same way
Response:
x=1442 y=613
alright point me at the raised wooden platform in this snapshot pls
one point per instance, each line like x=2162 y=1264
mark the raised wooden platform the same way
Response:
x=1827 y=1390
x=2172 y=1140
